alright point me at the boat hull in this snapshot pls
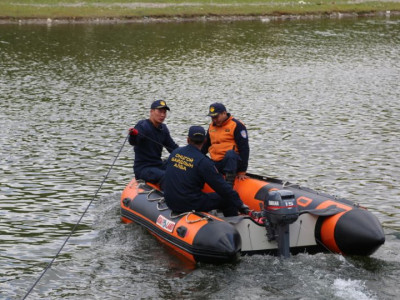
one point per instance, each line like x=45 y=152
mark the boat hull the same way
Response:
x=325 y=223
x=200 y=237
x=340 y=226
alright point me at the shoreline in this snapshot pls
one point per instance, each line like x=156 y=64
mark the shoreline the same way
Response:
x=206 y=18
x=163 y=11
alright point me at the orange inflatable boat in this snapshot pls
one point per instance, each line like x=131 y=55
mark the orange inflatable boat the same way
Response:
x=285 y=219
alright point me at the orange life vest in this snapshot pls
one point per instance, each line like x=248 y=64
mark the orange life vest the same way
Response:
x=222 y=139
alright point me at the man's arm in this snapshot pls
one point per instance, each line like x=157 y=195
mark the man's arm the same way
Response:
x=216 y=181
x=207 y=144
x=242 y=141
x=169 y=143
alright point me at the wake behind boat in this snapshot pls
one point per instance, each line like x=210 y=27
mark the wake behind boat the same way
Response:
x=286 y=219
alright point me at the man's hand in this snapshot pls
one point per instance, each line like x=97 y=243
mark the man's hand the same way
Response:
x=242 y=176
x=244 y=209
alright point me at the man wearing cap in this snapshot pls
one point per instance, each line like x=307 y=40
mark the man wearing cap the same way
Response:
x=148 y=137
x=188 y=170
x=227 y=143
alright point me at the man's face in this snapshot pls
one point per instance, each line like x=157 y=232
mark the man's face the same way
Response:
x=158 y=115
x=219 y=119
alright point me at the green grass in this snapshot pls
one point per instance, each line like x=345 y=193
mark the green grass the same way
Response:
x=124 y=9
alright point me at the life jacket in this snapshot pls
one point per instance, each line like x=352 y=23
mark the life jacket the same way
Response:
x=222 y=139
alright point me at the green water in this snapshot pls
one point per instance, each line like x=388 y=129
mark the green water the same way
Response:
x=321 y=103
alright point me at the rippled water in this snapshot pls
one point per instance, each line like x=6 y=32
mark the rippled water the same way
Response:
x=320 y=100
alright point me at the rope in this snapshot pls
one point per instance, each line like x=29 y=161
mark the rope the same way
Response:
x=178 y=215
x=188 y=213
x=80 y=219
x=160 y=200
x=160 y=203
x=154 y=141
x=155 y=199
x=204 y=218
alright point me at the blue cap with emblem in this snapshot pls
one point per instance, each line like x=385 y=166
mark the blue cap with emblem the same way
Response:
x=197 y=133
x=215 y=109
x=159 y=104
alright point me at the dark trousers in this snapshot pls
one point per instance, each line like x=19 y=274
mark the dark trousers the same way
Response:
x=151 y=174
x=206 y=202
x=229 y=163
x=212 y=201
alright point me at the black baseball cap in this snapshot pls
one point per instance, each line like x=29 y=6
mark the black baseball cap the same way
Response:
x=197 y=133
x=215 y=109
x=159 y=104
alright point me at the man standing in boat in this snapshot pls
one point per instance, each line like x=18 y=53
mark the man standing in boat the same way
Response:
x=228 y=143
x=188 y=169
x=148 y=137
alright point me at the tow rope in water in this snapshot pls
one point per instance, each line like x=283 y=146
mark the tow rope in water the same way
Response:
x=80 y=219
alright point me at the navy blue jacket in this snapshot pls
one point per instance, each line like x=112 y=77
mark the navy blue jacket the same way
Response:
x=187 y=171
x=148 y=145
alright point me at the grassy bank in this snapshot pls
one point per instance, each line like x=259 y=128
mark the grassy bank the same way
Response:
x=139 y=9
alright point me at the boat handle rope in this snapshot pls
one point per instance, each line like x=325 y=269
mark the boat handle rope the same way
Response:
x=160 y=200
x=188 y=213
x=203 y=217
x=77 y=223
x=142 y=186
x=155 y=199
x=178 y=215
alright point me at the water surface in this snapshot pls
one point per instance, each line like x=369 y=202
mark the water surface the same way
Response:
x=321 y=103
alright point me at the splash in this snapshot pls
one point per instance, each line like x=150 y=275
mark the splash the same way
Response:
x=352 y=289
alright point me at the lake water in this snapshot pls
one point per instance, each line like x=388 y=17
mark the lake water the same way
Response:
x=320 y=99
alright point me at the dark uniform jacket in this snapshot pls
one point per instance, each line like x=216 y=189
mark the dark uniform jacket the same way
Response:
x=148 y=145
x=232 y=135
x=187 y=171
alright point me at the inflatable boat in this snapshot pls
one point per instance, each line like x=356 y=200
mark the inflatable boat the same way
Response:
x=284 y=219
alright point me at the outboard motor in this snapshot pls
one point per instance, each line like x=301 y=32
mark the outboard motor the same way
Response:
x=280 y=210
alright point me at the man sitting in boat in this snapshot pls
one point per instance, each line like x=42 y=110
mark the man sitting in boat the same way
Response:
x=148 y=137
x=228 y=143
x=188 y=170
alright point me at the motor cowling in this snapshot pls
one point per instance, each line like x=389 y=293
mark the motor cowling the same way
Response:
x=281 y=207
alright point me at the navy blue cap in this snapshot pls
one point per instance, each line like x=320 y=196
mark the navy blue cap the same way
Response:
x=159 y=104
x=197 y=133
x=215 y=109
